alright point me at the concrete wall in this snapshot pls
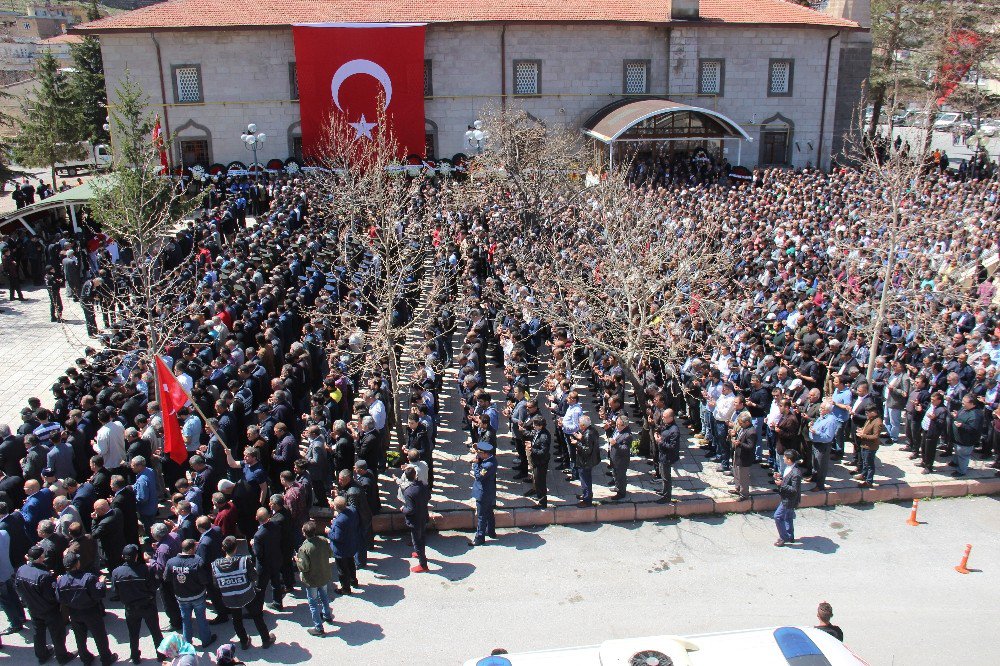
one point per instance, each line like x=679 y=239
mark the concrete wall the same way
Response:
x=582 y=71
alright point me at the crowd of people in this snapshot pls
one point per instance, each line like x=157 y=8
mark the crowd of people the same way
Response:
x=288 y=414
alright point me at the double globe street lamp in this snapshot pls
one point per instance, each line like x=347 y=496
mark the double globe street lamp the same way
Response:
x=251 y=141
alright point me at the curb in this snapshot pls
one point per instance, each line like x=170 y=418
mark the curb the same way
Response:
x=465 y=519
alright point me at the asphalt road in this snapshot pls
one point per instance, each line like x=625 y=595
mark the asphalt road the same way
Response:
x=893 y=588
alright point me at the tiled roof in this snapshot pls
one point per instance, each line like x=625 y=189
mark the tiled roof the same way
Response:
x=211 y=14
x=63 y=39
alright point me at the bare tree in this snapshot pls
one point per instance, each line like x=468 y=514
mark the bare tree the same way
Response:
x=382 y=211
x=625 y=278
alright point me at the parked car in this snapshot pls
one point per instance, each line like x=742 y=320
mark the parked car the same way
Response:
x=990 y=127
x=945 y=121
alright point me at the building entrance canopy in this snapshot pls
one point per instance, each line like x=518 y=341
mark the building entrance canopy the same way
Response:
x=651 y=120
x=659 y=119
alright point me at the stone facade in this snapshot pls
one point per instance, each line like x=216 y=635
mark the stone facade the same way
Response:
x=245 y=78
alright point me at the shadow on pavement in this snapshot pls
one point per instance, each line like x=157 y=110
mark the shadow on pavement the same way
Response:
x=289 y=653
x=355 y=632
x=819 y=544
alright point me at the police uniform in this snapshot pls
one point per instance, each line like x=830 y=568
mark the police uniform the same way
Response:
x=82 y=593
x=136 y=588
x=189 y=580
x=484 y=491
x=36 y=587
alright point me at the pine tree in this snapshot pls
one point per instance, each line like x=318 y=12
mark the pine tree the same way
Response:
x=87 y=90
x=48 y=134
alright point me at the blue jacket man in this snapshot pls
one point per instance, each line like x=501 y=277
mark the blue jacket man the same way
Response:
x=146 y=492
x=37 y=507
x=345 y=539
x=344 y=531
x=484 y=491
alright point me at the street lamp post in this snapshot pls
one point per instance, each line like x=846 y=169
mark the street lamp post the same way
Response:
x=476 y=137
x=251 y=141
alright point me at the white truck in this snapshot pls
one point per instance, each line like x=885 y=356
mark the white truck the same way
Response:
x=98 y=159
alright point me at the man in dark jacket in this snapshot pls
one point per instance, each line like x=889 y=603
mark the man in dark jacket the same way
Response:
x=36 y=586
x=345 y=535
x=588 y=455
x=968 y=433
x=53 y=545
x=124 y=501
x=540 y=452
x=12 y=451
x=209 y=549
x=13 y=523
x=109 y=531
x=266 y=549
x=136 y=588
x=668 y=445
x=357 y=498
x=790 y=490
x=416 y=496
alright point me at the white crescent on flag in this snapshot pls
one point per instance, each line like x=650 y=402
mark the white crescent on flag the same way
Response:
x=360 y=66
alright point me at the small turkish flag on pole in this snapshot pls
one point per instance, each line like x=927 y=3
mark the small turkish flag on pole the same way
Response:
x=172 y=397
x=159 y=143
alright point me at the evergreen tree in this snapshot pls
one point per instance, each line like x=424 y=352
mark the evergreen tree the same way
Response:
x=48 y=134
x=136 y=204
x=87 y=90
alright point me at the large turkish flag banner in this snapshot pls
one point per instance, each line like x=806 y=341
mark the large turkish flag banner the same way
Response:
x=352 y=69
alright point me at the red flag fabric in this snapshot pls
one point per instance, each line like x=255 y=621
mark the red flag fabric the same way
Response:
x=159 y=143
x=349 y=68
x=172 y=398
x=962 y=48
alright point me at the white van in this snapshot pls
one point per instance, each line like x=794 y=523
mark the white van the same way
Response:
x=781 y=646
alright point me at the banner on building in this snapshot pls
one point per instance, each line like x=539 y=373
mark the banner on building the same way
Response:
x=358 y=71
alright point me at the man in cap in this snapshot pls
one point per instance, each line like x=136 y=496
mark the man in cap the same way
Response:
x=137 y=590
x=484 y=491
x=36 y=586
x=82 y=593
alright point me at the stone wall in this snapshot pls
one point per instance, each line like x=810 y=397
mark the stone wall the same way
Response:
x=245 y=78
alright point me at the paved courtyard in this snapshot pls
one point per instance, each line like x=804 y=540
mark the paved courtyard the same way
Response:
x=893 y=589
x=34 y=351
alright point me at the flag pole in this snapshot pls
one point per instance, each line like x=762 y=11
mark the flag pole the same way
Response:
x=194 y=404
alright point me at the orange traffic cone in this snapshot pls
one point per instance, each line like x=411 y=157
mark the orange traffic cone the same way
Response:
x=961 y=568
x=913 y=514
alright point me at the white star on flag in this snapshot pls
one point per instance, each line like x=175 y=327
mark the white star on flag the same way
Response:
x=363 y=127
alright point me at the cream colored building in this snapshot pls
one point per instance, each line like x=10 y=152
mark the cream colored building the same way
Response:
x=770 y=67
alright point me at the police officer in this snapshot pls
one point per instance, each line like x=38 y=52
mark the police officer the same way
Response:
x=82 y=593
x=235 y=579
x=484 y=491
x=189 y=579
x=137 y=590
x=89 y=296
x=54 y=282
x=36 y=586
